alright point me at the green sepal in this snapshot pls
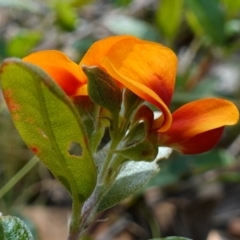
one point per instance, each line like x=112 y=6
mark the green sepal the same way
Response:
x=142 y=151
x=88 y=111
x=49 y=123
x=137 y=144
x=103 y=90
x=12 y=228
x=90 y=116
x=130 y=102
x=145 y=114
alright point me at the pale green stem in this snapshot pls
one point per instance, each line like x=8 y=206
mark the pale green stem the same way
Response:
x=18 y=176
x=75 y=227
x=118 y=135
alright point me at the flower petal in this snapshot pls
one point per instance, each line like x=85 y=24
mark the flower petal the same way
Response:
x=198 y=117
x=65 y=72
x=200 y=143
x=99 y=49
x=147 y=94
x=144 y=62
x=148 y=69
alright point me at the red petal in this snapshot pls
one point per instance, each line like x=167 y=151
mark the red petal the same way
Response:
x=197 y=126
x=200 y=143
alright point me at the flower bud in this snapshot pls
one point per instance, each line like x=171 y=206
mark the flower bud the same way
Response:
x=103 y=89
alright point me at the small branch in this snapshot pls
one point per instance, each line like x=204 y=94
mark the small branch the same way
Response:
x=17 y=177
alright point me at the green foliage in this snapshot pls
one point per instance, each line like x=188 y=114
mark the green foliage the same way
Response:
x=12 y=228
x=169 y=17
x=66 y=15
x=203 y=33
x=48 y=123
x=132 y=177
x=232 y=7
x=210 y=16
x=23 y=43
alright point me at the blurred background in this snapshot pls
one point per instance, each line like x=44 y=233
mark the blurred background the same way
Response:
x=192 y=196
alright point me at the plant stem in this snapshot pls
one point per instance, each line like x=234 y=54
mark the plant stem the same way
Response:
x=18 y=176
x=75 y=226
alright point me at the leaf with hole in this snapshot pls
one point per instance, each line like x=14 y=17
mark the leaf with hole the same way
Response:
x=49 y=124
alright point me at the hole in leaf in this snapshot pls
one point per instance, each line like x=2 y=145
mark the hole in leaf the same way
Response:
x=75 y=149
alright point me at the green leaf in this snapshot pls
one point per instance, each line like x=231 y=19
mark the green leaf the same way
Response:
x=210 y=16
x=12 y=228
x=232 y=7
x=171 y=238
x=22 y=44
x=169 y=16
x=66 y=15
x=132 y=177
x=194 y=24
x=49 y=124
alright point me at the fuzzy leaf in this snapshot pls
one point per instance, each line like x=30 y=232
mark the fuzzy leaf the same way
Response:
x=132 y=177
x=12 y=228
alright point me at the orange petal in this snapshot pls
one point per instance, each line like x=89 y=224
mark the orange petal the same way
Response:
x=65 y=72
x=196 y=121
x=147 y=94
x=144 y=62
x=99 y=49
x=200 y=143
x=148 y=69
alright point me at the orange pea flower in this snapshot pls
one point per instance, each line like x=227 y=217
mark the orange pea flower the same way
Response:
x=198 y=125
x=148 y=69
